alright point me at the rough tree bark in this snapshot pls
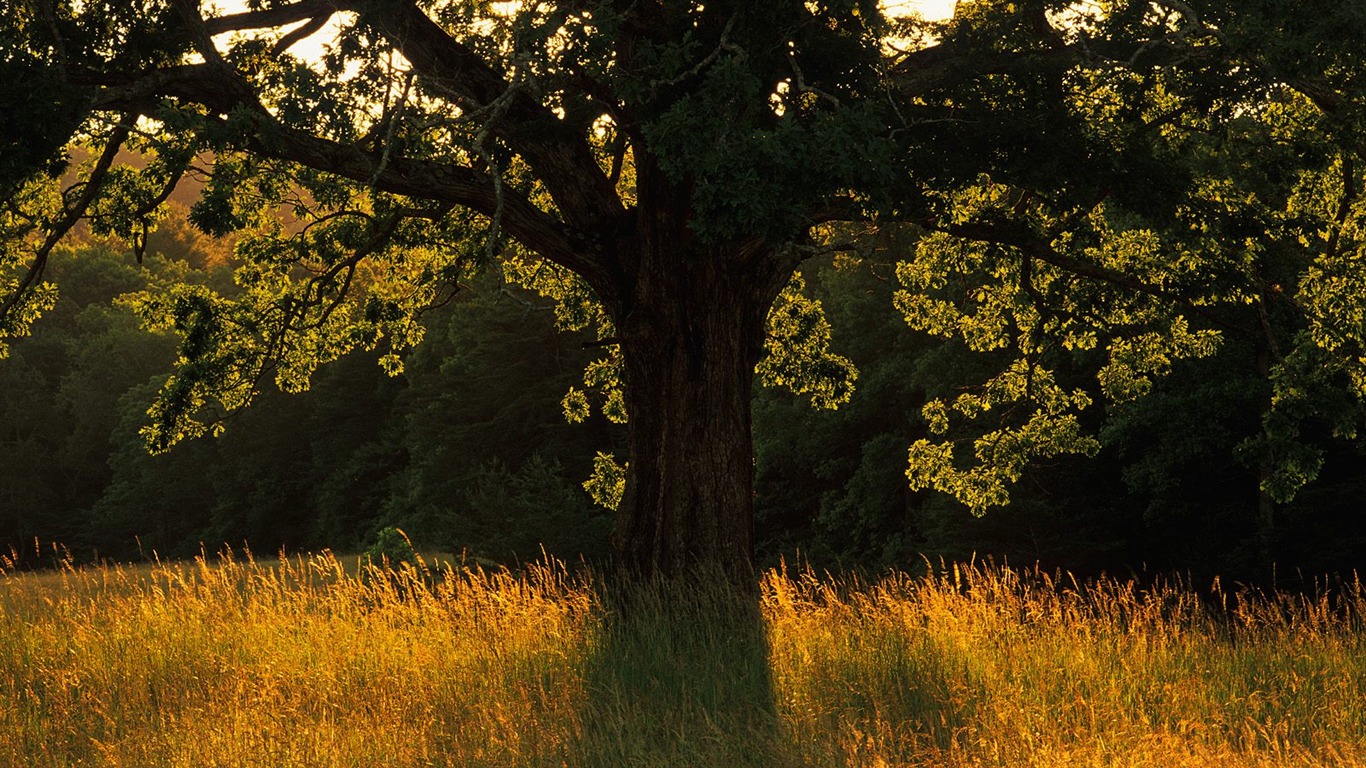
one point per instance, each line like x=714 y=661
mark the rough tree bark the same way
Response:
x=692 y=327
x=689 y=351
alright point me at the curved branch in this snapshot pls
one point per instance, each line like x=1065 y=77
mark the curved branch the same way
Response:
x=950 y=63
x=271 y=17
x=561 y=159
x=70 y=215
x=1037 y=248
x=209 y=86
x=295 y=35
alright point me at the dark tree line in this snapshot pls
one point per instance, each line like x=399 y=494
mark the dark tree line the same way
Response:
x=469 y=450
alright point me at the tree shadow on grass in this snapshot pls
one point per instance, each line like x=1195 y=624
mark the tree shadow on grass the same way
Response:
x=679 y=676
x=682 y=674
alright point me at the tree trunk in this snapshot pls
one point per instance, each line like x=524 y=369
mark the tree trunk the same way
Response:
x=689 y=344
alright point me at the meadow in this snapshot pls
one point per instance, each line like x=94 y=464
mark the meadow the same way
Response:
x=303 y=661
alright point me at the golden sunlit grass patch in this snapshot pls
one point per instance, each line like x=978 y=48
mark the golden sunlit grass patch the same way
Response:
x=300 y=662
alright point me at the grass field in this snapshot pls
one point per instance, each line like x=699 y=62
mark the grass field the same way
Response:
x=299 y=662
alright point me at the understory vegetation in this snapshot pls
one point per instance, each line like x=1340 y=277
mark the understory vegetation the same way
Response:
x=318 y=661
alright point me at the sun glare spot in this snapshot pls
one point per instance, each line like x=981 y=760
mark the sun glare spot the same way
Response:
x=776 y=99
x=310 y=48
x=602 y=125
x=930 y=10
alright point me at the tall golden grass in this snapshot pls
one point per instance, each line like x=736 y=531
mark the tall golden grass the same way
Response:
x=300 y=662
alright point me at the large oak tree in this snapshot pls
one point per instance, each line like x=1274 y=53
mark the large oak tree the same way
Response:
x=1055 y=179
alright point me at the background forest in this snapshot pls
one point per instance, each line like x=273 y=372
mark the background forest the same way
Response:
x=468 y=449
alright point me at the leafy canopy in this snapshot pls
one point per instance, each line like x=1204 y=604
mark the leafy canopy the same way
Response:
x=1084 y=193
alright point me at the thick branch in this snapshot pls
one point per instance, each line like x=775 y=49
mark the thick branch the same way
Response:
x=1037 y=248
x=271 y=17
x=1330 y=102
x=562 y=160
x=1004 y=235
x=304 y=30
x=950 y=63
x=207 y=85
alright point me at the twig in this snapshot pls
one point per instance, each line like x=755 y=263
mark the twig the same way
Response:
x=71 y=214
